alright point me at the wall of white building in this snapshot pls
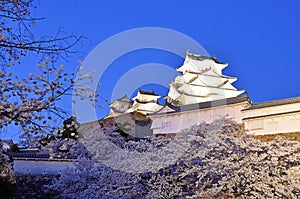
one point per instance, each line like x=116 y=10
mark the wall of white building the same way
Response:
x=177 y=121
x=272 y=120
x=41 y=167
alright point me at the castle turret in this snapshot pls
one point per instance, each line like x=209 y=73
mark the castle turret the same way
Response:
x=119 y=106
x=145 y=102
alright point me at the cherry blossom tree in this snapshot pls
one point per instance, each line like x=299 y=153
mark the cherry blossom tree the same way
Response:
x=31 y=102
x=90 y=179
x=219 y=161
x=222 y=162
x=7 y=177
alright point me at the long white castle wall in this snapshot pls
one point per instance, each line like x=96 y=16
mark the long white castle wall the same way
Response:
x=272 y=120
x=40 y=167
x=176 y=122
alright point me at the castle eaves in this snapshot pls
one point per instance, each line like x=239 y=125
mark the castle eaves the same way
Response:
x=274 y=103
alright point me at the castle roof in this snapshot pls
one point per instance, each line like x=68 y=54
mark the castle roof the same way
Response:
x=202 y=105
x=122 y=99
x=274 y=103
x=115 y=110
x=202 y=58
x=145 y=102
x=145 y=96
x=144 y=108
x=147 y=92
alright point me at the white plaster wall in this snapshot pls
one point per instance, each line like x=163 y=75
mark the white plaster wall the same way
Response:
x=272 y=124
x=175 y=122
x=286 y=123
x=33 y=167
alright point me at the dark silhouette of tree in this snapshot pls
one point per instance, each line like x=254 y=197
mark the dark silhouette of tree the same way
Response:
x=69 y=130
x=8 y=185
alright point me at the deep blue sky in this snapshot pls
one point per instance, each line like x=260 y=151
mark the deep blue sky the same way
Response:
x=259 y=39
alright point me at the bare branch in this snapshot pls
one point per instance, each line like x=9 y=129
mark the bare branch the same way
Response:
x=17 y=39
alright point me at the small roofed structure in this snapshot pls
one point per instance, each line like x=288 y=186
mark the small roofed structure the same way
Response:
x=119 y=106
x=145 y=102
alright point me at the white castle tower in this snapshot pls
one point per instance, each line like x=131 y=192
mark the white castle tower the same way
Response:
x=145 y=102
x=119 y=106
x=202 y=80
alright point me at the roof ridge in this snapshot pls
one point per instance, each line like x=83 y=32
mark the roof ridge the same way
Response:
x=147 y=92
x=278 y=102
x=203 y=57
